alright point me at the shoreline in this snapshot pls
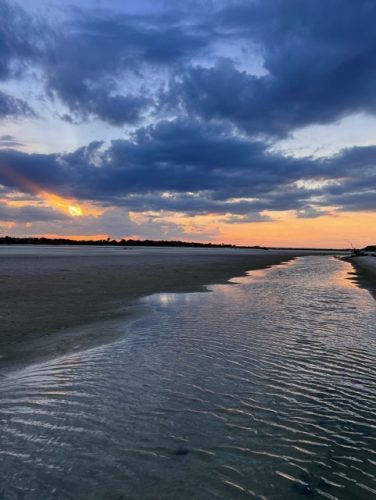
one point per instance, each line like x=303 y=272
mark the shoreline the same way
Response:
x=60 y=301
x=365 y=272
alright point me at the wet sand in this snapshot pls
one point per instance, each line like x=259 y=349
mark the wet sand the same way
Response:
x=365 y=268
x=57 y=300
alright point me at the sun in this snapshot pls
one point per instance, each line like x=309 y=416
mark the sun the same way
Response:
x=75 y=211
x=68 y=205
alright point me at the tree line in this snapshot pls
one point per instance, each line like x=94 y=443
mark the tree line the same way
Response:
x=10 y=240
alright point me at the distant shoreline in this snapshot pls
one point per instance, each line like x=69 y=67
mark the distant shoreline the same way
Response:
x=10 y=240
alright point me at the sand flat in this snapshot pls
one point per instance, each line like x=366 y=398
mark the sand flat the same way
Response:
x=48 y=292
x=367 y=262
x=365 y=267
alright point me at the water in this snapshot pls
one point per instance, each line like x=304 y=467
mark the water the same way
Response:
x=263 y=389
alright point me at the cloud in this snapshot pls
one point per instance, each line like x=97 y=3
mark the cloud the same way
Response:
x=18 y=39
x=310 y=212
x=27 y=214
x=110 y=65
x=12 y=106
x=35 y=221
x=195 y=168
x=318 y=60
x=86 y=103
x=8 y=141
x=94 y=63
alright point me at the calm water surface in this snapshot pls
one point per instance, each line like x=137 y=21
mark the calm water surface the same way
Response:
x=265 y=389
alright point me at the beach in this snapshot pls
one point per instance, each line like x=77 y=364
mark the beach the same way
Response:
x=367 y=263
x=54 y=300
x=365 y=267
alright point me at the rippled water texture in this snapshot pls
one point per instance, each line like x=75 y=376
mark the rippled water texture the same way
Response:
x=266 y=388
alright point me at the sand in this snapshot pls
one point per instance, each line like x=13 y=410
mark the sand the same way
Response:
x=368 y=263
x=365 y=267
x=54 y=300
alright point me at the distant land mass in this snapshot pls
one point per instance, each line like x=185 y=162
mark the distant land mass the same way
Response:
x=10 y=240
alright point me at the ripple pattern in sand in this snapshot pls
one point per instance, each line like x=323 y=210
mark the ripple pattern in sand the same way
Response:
x=263 y=389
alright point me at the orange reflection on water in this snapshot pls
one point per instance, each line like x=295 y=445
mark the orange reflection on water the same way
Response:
x=345 y=276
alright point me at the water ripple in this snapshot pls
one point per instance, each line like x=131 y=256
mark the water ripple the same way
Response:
x=264 y=389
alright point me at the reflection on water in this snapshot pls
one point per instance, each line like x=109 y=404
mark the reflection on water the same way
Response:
x=262 y=389
x=168 y=299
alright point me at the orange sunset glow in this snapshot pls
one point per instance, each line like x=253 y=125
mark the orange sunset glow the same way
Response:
x=339 y=231
x=284 y=229
x=69 y=206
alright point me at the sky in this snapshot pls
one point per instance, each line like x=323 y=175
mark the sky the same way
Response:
x=233 y=121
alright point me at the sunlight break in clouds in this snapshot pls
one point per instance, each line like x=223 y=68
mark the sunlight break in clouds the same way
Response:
x=69 y=206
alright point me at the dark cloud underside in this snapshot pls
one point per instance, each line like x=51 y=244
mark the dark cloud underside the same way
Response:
x=193 y=168
x=201 y=121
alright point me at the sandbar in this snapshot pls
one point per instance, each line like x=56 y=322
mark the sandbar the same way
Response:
x=54 y=300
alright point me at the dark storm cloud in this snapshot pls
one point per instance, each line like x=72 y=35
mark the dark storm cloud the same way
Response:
x=188 y=156
x=19 y=47
x=94 y=60
x=195 y=168
x=157 y=38
x=319 y=58
x=85 y=103
x=18 y=39
x=203 y=203
x=88 y=61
